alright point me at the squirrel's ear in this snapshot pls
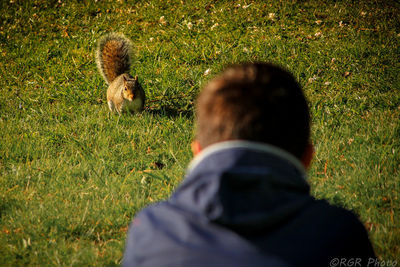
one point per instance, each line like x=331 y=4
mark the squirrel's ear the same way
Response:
x=125 y=79
x=136 y=77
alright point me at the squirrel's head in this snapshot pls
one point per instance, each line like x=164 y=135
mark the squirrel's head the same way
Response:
x=130 y=88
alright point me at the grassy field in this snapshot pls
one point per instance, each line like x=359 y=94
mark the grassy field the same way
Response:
x=72 y=176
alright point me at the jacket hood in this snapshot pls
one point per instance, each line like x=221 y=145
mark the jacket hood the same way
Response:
x=245 y=186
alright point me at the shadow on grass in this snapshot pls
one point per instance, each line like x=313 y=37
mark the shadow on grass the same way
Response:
x=171 y=112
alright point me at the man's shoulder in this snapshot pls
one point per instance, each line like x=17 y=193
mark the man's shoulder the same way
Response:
x=318 y=233
x=340 y=226
x=157 y=215
x=325 y=212
x=165 y=234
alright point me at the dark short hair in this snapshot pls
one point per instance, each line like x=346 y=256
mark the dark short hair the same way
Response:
x=256 y=102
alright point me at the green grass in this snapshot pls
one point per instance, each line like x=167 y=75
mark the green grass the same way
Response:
x=72 y=176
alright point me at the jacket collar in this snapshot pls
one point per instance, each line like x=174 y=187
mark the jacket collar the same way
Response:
x=248 y=145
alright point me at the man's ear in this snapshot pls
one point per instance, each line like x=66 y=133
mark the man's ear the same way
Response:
x=196 y=147
x=308 y=156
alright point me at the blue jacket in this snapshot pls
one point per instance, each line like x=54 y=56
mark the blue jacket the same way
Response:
x=244 y=204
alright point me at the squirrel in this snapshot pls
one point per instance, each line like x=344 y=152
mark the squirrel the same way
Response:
x=113 y=58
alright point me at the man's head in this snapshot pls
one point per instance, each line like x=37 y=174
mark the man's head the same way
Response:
x=255 y=102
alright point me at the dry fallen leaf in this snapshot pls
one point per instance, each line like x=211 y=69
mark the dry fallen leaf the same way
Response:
x=163 y=21
x=213 y=26
x=318 y=34
x=271 y=16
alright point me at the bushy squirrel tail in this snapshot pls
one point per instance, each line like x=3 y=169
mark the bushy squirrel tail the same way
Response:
x=113 y=56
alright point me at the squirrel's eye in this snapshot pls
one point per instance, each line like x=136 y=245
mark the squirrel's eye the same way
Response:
x=126 y=89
